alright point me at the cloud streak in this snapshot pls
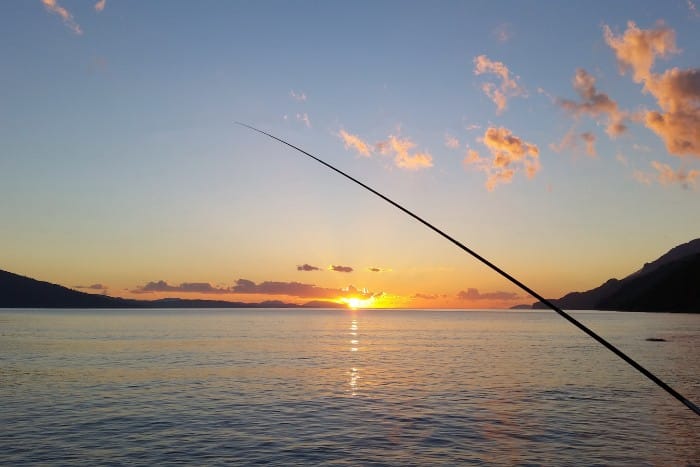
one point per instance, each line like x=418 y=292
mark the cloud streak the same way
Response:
x=508 y=86
x=338 y=268
x=356 y=143
x=307 y=267
x=52 y=6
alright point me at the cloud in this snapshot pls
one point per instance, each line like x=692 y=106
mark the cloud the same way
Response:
x=589 y=139
x=665 y=175
x=678 y=94
x=186 y=287
x=502 y=33
x=693 y=9
x=293 y=289
x=571 y=141
x=338 y=268
x=298 y=289
x=509 y=154
x=677 y=91
x=99 y=6
x=426 y=296
x=375 y=269
x=509 y=85
x=594 y=103
x=297 y=96
x=52 y=6
x=355 y=142
x=474 y=294
x=622 y=159
x=401 y=148
x=451 y=142
x=304 y=117
x=91 y=287
x=637 y=49
x=307 y=267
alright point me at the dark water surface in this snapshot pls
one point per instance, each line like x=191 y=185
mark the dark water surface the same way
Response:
x=290 y=387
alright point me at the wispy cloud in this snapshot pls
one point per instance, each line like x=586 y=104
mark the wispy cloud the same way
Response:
x=503 y=32
x=509 y=154
x=297 y=96
x=99 y=6
x=594 y=103
x=355 y=142
x=401 y=149
x=451 y=142
x=474 y=294
x=307 y=267
x=571 y=141
x=338 y=268
x=304 y=117
x=677 y=91
x=508 y=87
x=693 y=9
x=53 y=7
x=664 y=174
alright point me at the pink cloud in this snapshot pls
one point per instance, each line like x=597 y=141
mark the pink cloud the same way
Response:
x=509 y=154
x=594 y=103
x=53 y=7
x=355 y=142
x=401 y=148
x=677 y=91
x=99 y=6
x=508 y=87
x=666 y=175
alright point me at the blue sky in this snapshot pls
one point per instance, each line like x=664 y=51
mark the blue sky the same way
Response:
x=120 y=164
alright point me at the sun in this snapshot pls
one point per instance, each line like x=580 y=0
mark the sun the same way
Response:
x=355 y=303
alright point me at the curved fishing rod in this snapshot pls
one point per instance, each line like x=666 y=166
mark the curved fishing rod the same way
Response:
x=500 y=271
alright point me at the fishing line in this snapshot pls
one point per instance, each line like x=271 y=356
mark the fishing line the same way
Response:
x=500 y=271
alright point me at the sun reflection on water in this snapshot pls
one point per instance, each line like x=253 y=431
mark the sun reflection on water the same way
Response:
x=354 y=346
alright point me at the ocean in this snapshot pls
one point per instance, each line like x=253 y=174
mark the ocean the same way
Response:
x=341 y=387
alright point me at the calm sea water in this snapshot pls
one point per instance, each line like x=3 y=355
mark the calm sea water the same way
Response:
x=286 y=387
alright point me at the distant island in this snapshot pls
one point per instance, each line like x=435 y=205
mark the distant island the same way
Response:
x=669 y=284
x=23 y=292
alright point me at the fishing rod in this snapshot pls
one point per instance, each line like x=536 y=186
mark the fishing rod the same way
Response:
x=500 y=271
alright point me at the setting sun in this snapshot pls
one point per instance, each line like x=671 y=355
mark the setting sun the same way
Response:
x=355 y=303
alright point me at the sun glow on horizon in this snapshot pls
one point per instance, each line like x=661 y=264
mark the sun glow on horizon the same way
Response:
x=357 y=303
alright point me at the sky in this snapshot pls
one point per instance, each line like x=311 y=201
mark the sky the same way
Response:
x=558 y=139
